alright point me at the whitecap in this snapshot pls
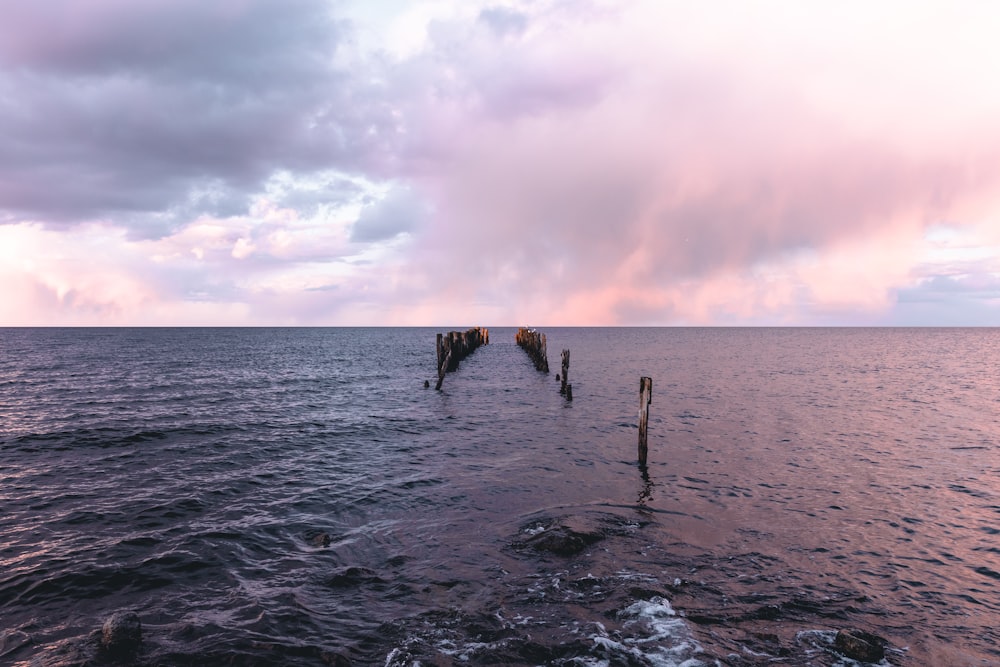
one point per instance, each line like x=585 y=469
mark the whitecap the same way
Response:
x=652 y=634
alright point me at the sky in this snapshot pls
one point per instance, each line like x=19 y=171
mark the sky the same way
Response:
x=504 y=162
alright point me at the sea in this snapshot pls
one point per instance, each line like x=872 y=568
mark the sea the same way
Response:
x=299 y=496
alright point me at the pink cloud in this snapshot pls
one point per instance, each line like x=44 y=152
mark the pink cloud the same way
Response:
x=691 y=164
x=600 y=163
x=60 y=279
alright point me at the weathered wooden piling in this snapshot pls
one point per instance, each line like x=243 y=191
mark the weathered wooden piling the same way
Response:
x=444 y=356
x=533 y=342
x=565 y=375
x=455 y=346
x=645 y=398
x=565 y=388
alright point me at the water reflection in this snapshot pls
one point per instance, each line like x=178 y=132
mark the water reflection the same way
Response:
x=646 y=492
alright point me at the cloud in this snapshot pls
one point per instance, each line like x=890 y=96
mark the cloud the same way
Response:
x=269 y=266
x=636 y=162
x=145 y=113
x=680 y=161
x=230 y=42
x=398 y=212
x=504 y=20
x=957 y=279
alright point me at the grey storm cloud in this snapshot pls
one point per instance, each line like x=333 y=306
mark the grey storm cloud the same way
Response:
x=398 y=212
x=117 y=108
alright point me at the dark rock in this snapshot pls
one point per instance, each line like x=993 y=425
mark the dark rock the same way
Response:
x=561 y=541
x=567 y=538
x=587 y=583
x=860 y=645
x=122 y=634
x=317 y=538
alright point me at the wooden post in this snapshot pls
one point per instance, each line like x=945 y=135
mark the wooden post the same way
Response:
x=565 y=371
x=444 y=359
x=453 y=347
x=645 y=398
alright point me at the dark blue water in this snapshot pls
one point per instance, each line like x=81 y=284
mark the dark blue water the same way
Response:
x=296 y=497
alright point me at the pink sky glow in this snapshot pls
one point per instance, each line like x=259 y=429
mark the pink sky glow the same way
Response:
x=310 y=162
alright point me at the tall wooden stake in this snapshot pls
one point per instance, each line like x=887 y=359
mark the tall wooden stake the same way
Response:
x=444 y=358
x=645 y=398
x=565 y=371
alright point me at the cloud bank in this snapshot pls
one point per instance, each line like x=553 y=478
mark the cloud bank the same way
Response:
x=307 y=162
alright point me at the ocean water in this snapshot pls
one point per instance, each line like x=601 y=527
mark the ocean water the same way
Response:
x=297 y=497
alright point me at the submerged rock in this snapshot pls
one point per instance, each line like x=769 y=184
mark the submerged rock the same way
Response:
x=122 y=634
x=561 y=541
x=566 y=538
x=317 y=538
x=860 y=645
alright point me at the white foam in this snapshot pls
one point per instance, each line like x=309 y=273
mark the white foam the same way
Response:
x=467 y=651
x=626 y=575
x=653 y=634
x=397 y=657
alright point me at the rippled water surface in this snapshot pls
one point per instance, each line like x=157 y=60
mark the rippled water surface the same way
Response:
x=296 y=496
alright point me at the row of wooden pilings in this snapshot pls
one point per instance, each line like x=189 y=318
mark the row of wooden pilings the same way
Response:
x=457 y=345
x=533 y=342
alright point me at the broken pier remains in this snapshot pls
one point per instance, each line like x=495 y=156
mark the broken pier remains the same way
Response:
x=533 y=342
x=457 y=345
